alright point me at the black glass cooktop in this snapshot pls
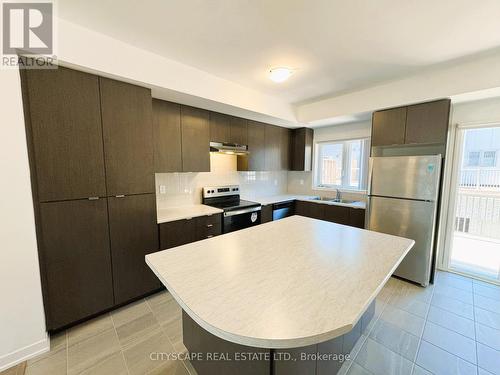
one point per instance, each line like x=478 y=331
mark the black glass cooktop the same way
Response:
x=230 y=205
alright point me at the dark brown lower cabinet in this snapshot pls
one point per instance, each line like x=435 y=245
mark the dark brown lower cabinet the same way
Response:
x=354 y=217
x=208 y=226
x=309 y=209
x=357 y=218
x=266 y=213
x=134 y=233
x=181 y=232
x=76 y=258
x=177 y=233
x=336 y=214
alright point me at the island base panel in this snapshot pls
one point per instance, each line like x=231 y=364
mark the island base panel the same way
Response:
x=218 y=356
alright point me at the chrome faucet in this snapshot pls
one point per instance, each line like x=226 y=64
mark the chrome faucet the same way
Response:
x=339 y=195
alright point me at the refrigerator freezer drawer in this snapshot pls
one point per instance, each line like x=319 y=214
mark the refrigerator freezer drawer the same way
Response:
x=411 y=177
x=410 y=219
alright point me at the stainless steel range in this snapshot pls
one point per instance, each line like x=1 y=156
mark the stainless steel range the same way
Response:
x=238 y=213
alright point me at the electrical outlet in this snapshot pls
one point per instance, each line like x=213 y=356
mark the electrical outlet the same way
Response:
x=301 y=181
x=163 y=189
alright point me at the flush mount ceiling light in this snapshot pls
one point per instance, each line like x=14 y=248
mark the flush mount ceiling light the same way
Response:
x=280 y=74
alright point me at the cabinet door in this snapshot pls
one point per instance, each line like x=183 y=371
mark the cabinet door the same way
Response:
x=64 y=113
x=238 y=131
x=128 y=137
x=76 y=260
x=256 y=147
x=309 y=209
x=220 y=130
x=134 y=233
x=301 y=149
x=177 y=233
x=428 y=122
x=357 y=218
x=388 y=127
x=266 y=213
x=284 y=149
x=208 y=226
x=273 y=148
x=167 y=136
x=195 y=139
x=336 y=214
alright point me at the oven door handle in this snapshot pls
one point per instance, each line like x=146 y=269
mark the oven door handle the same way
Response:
x=242 y=211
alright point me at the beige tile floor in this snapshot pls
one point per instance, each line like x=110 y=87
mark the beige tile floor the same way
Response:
x=119 y=342
x=452 y=327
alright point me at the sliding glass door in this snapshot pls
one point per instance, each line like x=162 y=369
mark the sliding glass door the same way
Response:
x=473 y=240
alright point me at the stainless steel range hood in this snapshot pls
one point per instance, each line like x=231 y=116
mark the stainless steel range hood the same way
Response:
x=228 y=148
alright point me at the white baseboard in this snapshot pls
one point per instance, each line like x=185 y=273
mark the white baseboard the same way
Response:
x=23 y=354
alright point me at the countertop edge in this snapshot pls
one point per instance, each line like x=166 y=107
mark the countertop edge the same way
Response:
x=277 y=343
x=213 y=211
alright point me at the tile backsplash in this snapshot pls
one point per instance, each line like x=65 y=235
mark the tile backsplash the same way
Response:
x=301 y=183
x=176 y=189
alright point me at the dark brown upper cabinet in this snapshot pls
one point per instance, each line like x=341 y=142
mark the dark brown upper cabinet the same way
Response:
x=255 y=160
x=128 y=137
x=238 y=130
x=220 y=127
x=133 y=234
x=301 y=149
x=272 y=148
x=167 y=136
x=76 y=260
x=63 y=117
x=195 y=129
x=228 y=129
x=428 y=122
x=388 y=127
x=285 y=145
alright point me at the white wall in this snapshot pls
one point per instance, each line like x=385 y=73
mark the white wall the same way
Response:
x=302 y=182
x=480 y=111
x=22 y=323
x=88 y=50
x=447 y=80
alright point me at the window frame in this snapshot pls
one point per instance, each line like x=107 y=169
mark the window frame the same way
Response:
x=346 y=160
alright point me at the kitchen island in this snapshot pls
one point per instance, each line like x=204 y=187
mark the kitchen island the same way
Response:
x=272 y=298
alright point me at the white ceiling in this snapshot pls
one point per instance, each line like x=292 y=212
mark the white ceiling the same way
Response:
x=335 y=45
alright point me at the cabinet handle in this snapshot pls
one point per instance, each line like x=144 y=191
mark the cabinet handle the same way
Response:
x=120 y=196
x=210 y=225
x=93 y=198
x=210 y=236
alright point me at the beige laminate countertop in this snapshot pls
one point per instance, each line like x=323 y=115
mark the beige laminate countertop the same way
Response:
x=184 y=212
x=281 y=198
x=309 y=198
x=284 y=284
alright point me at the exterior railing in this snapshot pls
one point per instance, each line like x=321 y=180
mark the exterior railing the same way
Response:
x=480 y=179
x=478 y=213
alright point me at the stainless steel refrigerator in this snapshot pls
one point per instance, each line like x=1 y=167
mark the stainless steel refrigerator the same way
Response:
x=402 y=200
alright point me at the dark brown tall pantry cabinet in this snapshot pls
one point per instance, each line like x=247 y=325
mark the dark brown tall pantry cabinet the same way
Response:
x=90 y=143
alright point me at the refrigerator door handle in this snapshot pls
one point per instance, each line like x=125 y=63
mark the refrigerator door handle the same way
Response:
x=370 y=176
x=367 y=213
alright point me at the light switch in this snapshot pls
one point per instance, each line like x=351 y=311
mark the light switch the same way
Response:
x=163 y=189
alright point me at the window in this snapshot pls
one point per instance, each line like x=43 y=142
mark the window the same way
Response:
x=489 y=158
x=342 y=164
x=473 y=158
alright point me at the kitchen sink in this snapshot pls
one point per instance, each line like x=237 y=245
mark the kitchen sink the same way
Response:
x=335 y=200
